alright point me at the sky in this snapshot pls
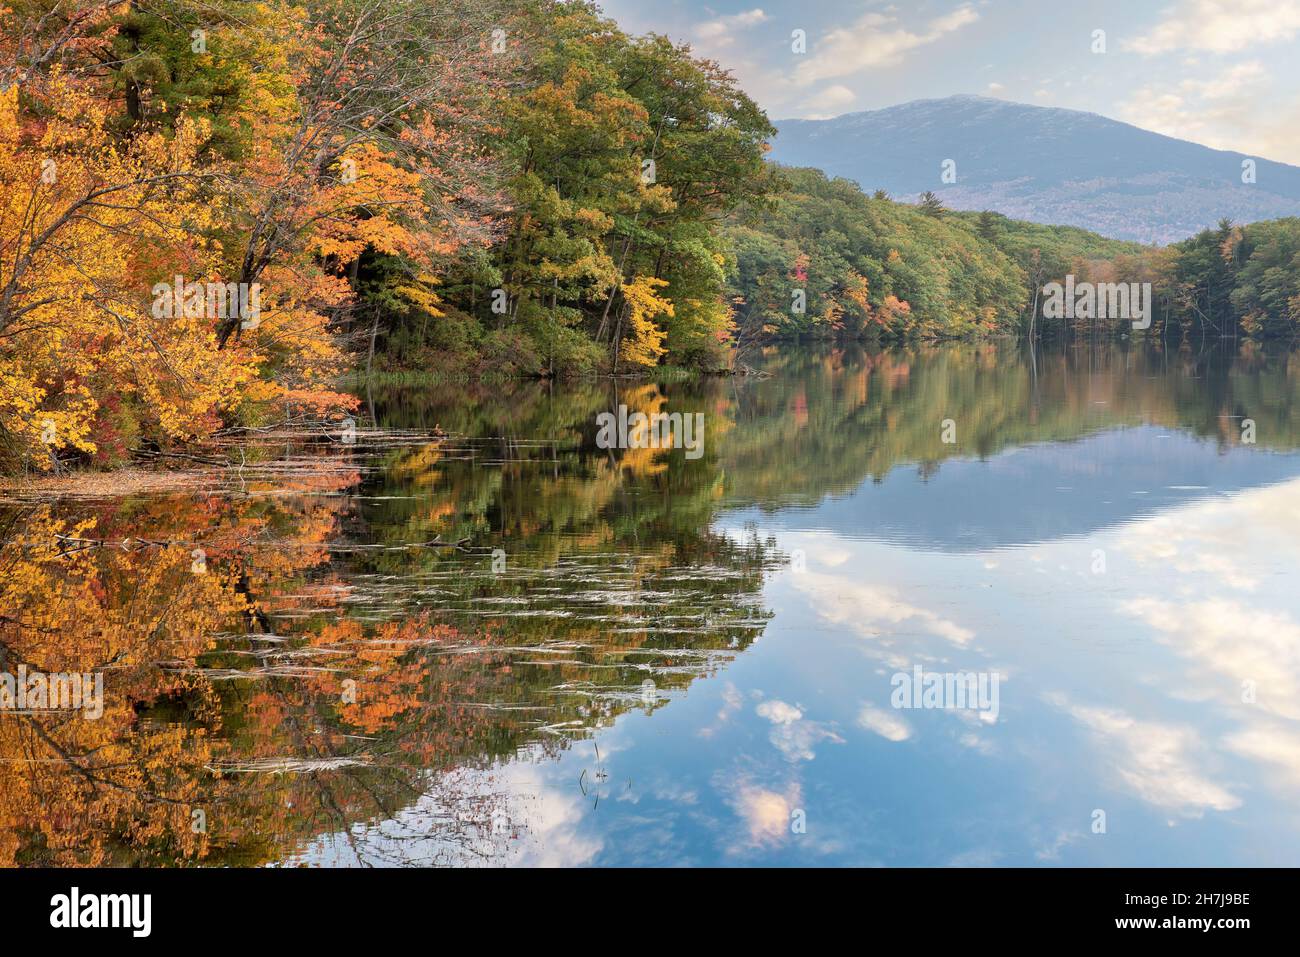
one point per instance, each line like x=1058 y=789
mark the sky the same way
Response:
x=1224 y=73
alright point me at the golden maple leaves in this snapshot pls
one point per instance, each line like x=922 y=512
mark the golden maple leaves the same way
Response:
x=94 y=210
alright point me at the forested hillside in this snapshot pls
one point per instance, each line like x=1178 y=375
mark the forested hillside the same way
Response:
x=212 y=209
x=872 y=266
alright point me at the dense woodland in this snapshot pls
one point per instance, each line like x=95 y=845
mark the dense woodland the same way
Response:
x=872 y=267
x=463 y=187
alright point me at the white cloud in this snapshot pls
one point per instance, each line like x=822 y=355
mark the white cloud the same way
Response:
x=876 y=39
x=766 y=813
x=778 y=712
x=1220 y=26
x=1242 y=78
x=976 y=743
x=1273 y=744
x=1155 y=760
x=870 y=610
x=1226 y=639
x=825 y=104
x=1223 y=111
x=889 y=726
x=1225 y=630
x=1235 y=530
x=792 y=735
x=732 y=702
x=1052 y=852
x=452 y=824
x=720 y=32
x=1240 y=108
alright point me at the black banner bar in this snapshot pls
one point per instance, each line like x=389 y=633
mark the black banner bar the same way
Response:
x=334 y=907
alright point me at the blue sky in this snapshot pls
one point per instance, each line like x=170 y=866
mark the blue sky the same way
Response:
x=1220 y=72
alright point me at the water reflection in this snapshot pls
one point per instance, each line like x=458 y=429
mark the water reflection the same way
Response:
x=471 y=636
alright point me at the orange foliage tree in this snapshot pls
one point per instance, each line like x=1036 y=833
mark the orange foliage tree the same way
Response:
x=122 y=168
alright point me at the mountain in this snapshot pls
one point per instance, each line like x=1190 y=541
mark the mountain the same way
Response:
x=1043 y=164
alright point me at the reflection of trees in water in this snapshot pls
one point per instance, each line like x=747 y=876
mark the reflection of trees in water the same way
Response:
x=226 y=690
x=232 y=730
x=829 y=419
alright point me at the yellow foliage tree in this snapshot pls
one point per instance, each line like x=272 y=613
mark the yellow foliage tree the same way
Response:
x=88 y=224
x=642 y=343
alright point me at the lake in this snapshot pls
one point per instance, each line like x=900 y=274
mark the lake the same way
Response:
x=931 y=605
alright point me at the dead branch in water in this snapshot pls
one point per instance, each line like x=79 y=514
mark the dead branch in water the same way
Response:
x=129 y=544
x=149 y=453
x=461 y=546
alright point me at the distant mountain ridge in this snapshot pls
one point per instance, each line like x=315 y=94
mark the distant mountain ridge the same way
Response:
x=1043 y=164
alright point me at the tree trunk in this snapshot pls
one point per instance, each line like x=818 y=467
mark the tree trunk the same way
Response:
x=374 y=333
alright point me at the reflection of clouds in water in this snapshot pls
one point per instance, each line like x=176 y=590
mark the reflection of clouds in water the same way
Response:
x=764 y=811
x=976 y=743
x=792 y=734
x=832 y=557
x=1052 y=851
x=509 y=815
x=1226 y=639
x=1272 y=743
x=873 y=610
x=1223 y=538
x=732 y=702
x=1211 y=551
x=1157 y=761
x=1248 y=542
x=975 y=857
x=888 y=725
x=551 y=833
x=879 y=612
x=778 y=712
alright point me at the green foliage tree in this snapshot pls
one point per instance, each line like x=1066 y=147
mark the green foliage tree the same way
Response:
x=931 y=205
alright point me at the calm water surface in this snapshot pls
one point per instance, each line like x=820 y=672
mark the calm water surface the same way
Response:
x=473 y=637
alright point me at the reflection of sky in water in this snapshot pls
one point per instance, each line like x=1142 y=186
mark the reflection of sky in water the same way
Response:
x=1122 y=690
